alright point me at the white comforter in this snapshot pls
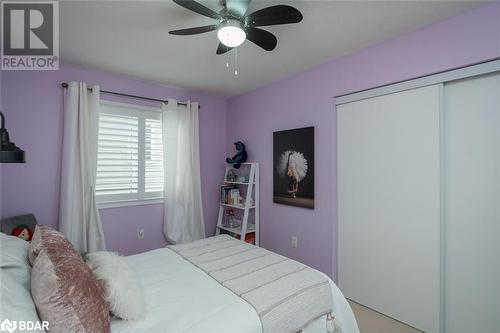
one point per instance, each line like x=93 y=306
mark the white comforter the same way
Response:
x=180 y=297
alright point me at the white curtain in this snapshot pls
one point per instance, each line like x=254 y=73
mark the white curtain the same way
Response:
x=79 y=217
x=183 y=218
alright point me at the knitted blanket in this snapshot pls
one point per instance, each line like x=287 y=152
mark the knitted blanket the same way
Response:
x=286 y=294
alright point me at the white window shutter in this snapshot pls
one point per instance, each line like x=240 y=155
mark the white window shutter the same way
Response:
x=118 y=150
x=130 y=154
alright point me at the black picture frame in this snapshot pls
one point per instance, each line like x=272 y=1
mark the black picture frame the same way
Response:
x=293 y=167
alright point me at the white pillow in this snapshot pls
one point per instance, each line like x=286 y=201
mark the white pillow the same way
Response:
x=16 y=302
x=15 y=281
x=14 y=259
x=122 y=289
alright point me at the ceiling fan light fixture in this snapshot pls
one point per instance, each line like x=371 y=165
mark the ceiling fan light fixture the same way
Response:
x=231 y=33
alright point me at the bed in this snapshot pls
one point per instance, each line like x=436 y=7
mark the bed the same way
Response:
x=179 y=297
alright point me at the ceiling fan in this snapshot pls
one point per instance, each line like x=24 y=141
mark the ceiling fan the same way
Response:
x=234 y=26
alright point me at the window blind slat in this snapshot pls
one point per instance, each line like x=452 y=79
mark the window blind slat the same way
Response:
x=118 y=168
x=113 y=151
x=121 y=155
x=125 y=137
x=108 y=163
x=125 y=181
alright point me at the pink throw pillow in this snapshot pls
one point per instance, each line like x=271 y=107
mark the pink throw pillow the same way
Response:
x=45 y=236
x=64 y=289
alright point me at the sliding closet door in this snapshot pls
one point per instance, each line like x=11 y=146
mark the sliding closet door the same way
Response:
x=472 y=205
x=389 y=205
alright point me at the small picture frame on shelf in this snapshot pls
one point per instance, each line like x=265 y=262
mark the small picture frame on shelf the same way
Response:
x=231 y=175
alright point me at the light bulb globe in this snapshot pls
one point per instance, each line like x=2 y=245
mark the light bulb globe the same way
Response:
x=231 y=34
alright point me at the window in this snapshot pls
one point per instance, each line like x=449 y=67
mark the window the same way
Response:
x=129 y=154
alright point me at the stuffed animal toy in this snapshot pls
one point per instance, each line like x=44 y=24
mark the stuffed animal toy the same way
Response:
x=23 y=231
x=240 y=157
x=21 y=226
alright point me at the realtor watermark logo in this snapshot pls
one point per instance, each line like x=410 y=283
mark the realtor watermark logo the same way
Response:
x=22 y=325
x=30 y=35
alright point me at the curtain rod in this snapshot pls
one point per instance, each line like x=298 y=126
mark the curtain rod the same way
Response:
x=65 y=85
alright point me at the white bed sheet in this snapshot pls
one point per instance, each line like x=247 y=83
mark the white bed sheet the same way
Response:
x=179 y=298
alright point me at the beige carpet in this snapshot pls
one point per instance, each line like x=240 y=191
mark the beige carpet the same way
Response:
x=370 y=321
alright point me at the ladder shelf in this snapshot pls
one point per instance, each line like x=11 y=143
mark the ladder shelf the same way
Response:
x=245 y=206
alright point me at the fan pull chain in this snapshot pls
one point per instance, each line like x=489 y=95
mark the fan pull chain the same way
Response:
x=236 y=61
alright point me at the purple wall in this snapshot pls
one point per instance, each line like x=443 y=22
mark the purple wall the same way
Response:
x=307 y=100
x=32 y=104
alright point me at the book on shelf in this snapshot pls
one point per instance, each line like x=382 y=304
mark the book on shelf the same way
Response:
x=250 y=238
x=230 y=195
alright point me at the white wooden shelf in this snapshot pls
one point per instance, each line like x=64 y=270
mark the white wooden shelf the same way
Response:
x=249 y=206
x=236 y=206
x=237 y=183
x=237 y=230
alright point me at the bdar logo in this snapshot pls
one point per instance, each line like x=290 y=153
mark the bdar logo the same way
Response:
x=7 y=325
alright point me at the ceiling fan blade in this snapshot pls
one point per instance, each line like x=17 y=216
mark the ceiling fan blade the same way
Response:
x=198 y=8
x=273 y=15
x=262 y=38
x=221 y=49
x=194 y=31
x=237 y=8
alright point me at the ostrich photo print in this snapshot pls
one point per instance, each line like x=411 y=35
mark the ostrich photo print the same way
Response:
x=293 y=167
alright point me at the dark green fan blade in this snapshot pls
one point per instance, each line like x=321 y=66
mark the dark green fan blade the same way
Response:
x=221 y=49
x=274 y=15
x=194 y=31
x=262 y=38
x=198 y=8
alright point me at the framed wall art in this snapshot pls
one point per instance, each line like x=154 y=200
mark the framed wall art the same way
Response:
x=293 y=167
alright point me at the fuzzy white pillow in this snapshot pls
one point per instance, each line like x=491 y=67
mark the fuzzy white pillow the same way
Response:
x=122 y=289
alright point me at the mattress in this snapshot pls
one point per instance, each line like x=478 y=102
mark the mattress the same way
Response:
x=179 y=297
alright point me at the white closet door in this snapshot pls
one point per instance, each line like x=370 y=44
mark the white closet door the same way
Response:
x=389 y=205
x=472 y=205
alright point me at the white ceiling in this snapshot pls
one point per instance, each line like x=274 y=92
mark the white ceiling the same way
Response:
x=131 y=37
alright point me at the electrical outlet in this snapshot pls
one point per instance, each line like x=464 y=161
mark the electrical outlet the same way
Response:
x=140 y=233
x=295 y=242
